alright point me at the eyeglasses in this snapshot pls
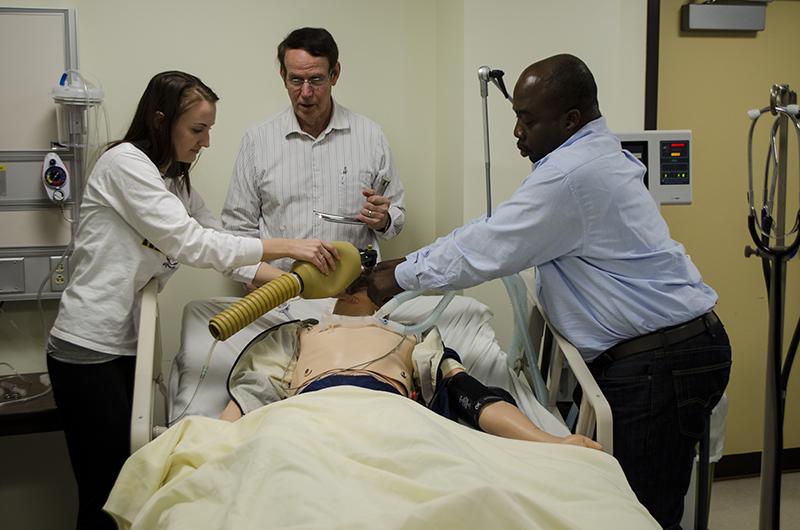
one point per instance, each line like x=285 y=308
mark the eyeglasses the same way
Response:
x=314 y=82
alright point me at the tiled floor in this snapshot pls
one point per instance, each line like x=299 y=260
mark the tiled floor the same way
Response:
x=735 y=503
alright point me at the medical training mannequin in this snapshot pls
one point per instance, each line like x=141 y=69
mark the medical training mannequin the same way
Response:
x=328 y=350
x=139 y=219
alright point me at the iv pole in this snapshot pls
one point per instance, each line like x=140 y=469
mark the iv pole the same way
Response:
x=514 y=284
x=783 y=105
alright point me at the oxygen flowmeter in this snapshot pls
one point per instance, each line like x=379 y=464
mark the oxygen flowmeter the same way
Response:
x=55 y=178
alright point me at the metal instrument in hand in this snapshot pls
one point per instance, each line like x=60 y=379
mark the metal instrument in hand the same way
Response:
x=335 y=218
x=352 y=219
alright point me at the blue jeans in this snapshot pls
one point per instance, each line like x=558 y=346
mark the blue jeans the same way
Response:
x=660 y=401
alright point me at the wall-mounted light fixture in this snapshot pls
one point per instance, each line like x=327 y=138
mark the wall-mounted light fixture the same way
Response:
x=729 y=15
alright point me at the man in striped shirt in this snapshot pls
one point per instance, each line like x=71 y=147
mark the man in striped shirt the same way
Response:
x=315 y=155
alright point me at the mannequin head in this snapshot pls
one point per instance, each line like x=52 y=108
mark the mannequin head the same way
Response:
x=354 y=301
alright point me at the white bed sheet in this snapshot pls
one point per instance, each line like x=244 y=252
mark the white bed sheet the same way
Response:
x=350 y=458
x=464 y=326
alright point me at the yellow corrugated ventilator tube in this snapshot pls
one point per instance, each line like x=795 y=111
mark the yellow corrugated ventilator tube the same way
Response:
x=304 y=280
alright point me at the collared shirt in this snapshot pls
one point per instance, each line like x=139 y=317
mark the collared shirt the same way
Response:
x=283 y=174
x=608 y=270
x=135 y=226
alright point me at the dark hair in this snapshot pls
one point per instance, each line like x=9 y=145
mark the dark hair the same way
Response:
x=571 y=85
x=359 y=284
x=171 y=94
x=318 y=42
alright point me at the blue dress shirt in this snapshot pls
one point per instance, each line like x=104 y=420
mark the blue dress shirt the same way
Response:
x=607 y=268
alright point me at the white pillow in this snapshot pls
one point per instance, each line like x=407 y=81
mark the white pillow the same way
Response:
x=464 y=325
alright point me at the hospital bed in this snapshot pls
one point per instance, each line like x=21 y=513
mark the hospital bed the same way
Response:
x=196 y=384
x=307 y=461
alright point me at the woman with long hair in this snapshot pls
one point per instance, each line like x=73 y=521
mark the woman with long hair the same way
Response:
x=139 y=219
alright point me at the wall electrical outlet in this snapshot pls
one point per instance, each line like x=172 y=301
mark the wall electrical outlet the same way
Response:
x=59 y=273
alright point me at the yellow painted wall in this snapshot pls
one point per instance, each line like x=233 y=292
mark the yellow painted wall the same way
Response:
x=707 y=82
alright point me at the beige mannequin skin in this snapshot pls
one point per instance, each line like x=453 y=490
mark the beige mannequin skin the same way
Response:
x=338 y=348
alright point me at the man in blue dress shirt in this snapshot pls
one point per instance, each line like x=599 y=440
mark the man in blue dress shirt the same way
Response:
x=609 y=278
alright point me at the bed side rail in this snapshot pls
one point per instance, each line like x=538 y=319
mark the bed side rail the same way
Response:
x=595 y=411
x=148 y=368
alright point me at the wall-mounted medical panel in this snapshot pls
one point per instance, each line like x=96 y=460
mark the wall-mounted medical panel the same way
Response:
x=36 y=231
x=22 y=277
x=668 y=158
x=38 y=45
x=12 y=275
x=21 y=184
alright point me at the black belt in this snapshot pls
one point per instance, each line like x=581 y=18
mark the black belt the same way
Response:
x=660 y=338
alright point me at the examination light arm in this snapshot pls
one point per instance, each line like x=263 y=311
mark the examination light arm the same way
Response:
x=485 y=75
x=497 y=78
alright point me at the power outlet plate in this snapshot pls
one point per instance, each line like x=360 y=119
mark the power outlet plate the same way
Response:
x=59 y=273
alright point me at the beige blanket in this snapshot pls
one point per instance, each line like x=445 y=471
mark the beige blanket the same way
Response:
x=351 y=458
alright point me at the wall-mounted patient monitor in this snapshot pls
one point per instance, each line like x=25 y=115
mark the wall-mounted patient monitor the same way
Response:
x=667 y=156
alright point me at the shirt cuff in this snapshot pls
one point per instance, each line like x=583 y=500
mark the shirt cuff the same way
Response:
x=394 y=225
x=386 y=228
x=244 y=274
x=255 y=250
x=405 y=274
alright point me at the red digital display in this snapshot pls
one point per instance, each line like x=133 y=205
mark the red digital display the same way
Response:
x=677 y=145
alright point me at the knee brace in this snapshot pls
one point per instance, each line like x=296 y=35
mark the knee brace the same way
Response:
x=467 y=397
